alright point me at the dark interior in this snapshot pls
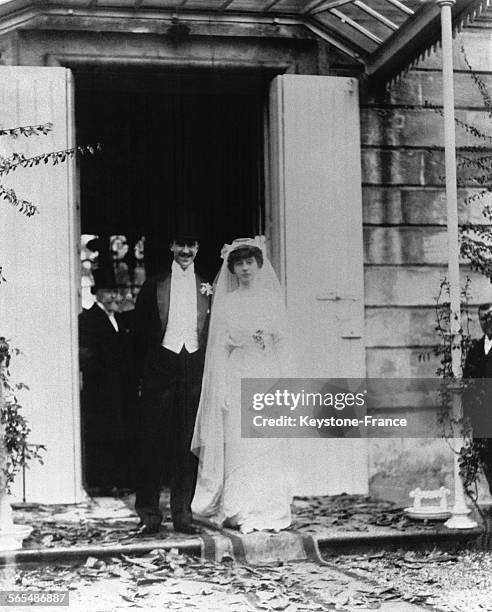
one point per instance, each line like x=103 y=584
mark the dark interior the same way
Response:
x=181 y=151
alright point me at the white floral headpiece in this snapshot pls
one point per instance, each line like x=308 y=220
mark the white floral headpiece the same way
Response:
x=257 y=241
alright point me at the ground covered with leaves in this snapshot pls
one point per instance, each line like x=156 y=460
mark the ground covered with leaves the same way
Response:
x=172 y=581
x=112 y=521
x=455 y=582
x=345 y=513
x=458 y=582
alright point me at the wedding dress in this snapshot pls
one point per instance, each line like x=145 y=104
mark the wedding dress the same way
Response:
x=243 y=481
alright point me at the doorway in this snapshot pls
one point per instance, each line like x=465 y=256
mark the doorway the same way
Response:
x=180 y=151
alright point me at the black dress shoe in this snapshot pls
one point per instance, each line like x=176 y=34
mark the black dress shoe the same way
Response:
x=123 y=492
x=148 y=528
x=188 y=528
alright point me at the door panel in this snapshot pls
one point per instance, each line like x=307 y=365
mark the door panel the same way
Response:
x=39 y=303
x=315 y=233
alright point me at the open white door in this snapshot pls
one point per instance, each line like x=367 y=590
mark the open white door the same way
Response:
x=39 y=303
x=314 y=227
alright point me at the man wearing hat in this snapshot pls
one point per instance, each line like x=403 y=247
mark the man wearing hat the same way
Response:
x=105 y=361
x=171 y=319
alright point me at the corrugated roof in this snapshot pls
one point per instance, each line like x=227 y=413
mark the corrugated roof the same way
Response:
x=386 y=36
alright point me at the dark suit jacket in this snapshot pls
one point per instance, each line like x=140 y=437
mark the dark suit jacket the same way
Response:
x=477 y=397
x=478 y=364
x=102 y=348
x=106 y=364
x=151 y=315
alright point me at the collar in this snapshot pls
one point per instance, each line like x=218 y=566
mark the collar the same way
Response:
x=487 y=344
x=101 y=306
x=177 y=270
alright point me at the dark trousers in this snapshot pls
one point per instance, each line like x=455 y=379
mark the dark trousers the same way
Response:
x=486 y=459
x=107 y=400
x=167 y=411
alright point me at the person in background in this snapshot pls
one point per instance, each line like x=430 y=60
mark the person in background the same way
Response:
x=108 y=390
x=477 y=397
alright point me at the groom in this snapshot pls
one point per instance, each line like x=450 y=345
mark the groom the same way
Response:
x=171 y=320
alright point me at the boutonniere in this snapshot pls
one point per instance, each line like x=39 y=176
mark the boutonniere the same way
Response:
x=206 y=289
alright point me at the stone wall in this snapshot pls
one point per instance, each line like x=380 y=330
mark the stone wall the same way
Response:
x=405 y=236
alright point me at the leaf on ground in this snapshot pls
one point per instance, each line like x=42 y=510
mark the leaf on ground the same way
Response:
x=128 y=595
x=47 y=540
x=94 y=563
x=150 y=580
x=378 y=555
x=89 y=572
x=139 y=563
x=279 y=604
x=190 y=588
x=266 y=595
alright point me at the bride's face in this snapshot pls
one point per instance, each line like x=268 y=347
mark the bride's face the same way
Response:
x=246 y=270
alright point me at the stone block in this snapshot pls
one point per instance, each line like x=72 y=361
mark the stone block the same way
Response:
x=261 y=547
x=416 y=285
x=401 y=362
x=398 y=466
x=419 y=127
x=397 y=327
x=419 y=167
x=405 y=245
x=413 y=206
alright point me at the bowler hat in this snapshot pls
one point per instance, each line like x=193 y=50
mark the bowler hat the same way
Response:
x=103 y=279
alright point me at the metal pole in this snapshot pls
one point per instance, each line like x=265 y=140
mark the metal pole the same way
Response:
x=460 y=511
x=24 y=474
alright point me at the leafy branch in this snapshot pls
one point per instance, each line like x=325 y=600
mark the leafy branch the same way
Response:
x=482 y=88
x=14 y=425
x=473 y=130
x=469 y=455
x=27 y=130
x=476 y=196
x=15 y=452
x=24 y=206
x=19 y=160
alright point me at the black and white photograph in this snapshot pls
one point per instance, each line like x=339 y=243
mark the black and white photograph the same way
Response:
x=246 y=305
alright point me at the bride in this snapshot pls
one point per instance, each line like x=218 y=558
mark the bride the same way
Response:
x=242 y=482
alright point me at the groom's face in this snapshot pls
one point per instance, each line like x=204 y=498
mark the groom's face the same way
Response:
x=184 y=252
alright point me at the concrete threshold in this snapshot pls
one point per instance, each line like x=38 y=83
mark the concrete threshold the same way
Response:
x=260 y=547
x=191 y=546
x=353 y=543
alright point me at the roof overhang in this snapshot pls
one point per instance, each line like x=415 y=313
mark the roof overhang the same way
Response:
x=385 y=37
x=416 y=35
